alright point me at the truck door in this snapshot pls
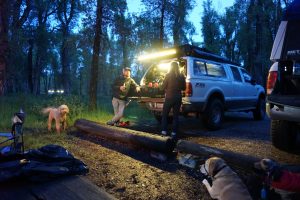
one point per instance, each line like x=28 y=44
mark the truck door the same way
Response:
x=250 y=91
x=237 y=85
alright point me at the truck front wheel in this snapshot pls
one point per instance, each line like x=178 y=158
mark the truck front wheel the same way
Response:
x=260 y=111
x=283 y=134
x=214 y=114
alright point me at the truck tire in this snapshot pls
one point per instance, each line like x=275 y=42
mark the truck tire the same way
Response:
x=158 y=118
x=283 y=134
x=214 y=114
x=260 y=111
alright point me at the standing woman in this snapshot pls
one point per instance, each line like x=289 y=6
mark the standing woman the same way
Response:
x=173 y=84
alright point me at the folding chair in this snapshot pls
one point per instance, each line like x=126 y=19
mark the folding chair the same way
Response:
x=16 y=136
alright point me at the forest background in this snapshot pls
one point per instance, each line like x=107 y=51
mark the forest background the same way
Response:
x=80 y=46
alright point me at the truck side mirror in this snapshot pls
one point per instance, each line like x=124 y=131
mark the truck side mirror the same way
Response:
x=253 y=81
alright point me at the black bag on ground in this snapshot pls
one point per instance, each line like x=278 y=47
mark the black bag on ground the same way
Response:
x=43 y=164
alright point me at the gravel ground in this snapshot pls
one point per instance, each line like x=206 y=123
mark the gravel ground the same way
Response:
x=128 y=172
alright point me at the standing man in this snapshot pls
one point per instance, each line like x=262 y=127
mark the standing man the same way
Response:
x=121 y=88
x=173 y=84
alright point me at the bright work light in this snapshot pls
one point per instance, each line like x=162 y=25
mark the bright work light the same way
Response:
x=164 y=66
x=157 y=55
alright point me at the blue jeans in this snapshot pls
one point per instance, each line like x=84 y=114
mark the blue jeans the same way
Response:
x=174 y=104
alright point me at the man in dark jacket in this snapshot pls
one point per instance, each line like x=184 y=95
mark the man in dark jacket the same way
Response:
x=122 y=86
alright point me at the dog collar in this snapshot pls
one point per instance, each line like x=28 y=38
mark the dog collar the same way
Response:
x=217 y=171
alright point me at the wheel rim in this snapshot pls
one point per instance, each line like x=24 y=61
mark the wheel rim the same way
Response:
x=216 y=115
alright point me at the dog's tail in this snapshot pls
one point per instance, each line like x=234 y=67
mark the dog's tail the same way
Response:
x=47 y=110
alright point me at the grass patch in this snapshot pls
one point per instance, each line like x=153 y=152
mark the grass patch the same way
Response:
x=35 y=126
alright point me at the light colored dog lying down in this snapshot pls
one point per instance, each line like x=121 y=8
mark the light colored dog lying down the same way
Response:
x=59 y=115
x=226 y=185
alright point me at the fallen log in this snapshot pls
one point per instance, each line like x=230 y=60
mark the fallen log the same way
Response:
x=237 y=159
x=138 y=138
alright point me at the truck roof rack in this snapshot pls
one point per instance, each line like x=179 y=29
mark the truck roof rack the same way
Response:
x=190 y=50
x=186 y=50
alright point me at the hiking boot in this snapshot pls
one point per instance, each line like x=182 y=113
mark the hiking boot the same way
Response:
x=117 y=123
x=164 y=133
x=111 y=123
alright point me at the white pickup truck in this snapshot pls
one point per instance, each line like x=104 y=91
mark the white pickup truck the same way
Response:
x=213 y=85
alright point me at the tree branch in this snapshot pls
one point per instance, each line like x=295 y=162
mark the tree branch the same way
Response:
x=26 y=12
x=71 y=12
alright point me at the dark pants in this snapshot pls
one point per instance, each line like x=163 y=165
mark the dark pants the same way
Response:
x=171 y=103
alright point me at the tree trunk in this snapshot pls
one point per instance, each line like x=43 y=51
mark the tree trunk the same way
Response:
x=37 y=72
x=125 y=52
x=175 y=26
x=65 y=15
x=30 y=66
x=278 y=15
x=258 y=41
x=179 y=13
x=41 y=50
x=249 y=61
x=3 y=43
x=95 y=59
x=56 y=74
x=161 y=28
x=65 y=61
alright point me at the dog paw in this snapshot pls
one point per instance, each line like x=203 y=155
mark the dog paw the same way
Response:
x=206 y=183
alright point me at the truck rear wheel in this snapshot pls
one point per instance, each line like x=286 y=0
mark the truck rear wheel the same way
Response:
x=214 y=114
x=283 y=134
x=260 y=110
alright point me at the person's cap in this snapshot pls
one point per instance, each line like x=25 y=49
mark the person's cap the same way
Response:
x=127 y=69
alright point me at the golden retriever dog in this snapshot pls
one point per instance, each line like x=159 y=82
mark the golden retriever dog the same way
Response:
x=59 y=115
x=226 y=185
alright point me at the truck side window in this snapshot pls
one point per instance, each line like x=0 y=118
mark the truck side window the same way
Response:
x=215 y=70
x=199 y=68
x=247 y=76
x=236 y=74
